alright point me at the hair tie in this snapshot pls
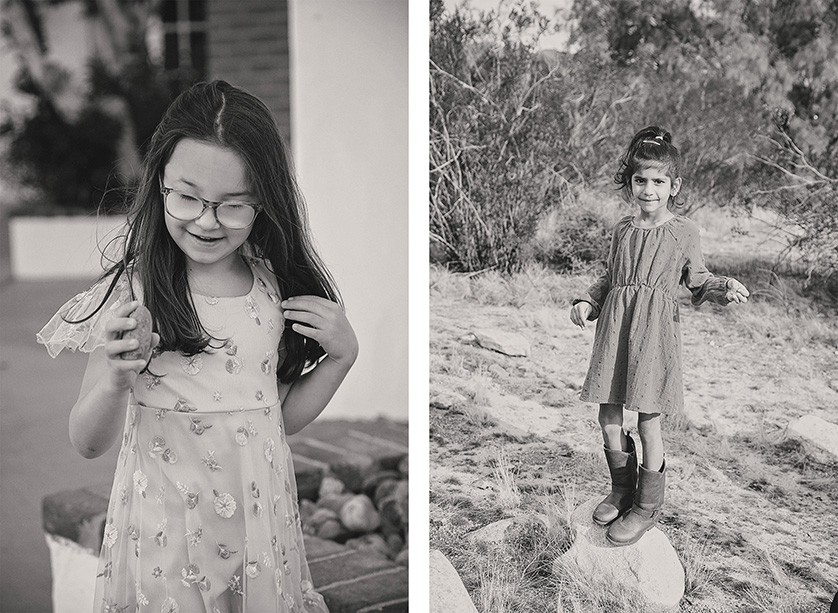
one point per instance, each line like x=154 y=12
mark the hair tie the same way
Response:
x=652 y=142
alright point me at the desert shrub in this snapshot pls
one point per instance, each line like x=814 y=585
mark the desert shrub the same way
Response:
x=572 y=239
x=515 y=130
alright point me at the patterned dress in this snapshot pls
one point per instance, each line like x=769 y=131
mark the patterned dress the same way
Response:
x=203 y=513
x=636 y=358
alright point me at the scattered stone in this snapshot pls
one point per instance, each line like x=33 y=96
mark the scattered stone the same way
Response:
x=497 y=532
x=358 y=514
x=331 y=529
x=394 y=508
x=650 y=566
x=370 y=542
x=447 y=590
x=498 y=371
x=507 y=343
x=334 y=502
x=372 y=482
x=818 y=431
x=395 y=543
x=384 y=489
x=307 y=510
x=446 y=399
x=330 y=486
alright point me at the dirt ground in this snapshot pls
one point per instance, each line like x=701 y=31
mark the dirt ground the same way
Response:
x=756 y=504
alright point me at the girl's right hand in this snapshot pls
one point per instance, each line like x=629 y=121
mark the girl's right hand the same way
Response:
x=579 y=313
x=123 y=373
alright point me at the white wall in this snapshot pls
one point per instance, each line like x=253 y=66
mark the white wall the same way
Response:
x=349 y=95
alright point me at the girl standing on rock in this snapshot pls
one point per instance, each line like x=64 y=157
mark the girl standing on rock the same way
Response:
x=250 y=343
x=636 y=360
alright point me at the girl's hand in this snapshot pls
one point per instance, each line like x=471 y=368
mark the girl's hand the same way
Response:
x=123 y=373
x=736 y=292
x=579 y=313
x=325 y=322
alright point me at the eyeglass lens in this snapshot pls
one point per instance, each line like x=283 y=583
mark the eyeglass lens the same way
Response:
x=186 y=208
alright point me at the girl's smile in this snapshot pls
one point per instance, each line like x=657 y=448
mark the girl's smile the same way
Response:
x=216 y=174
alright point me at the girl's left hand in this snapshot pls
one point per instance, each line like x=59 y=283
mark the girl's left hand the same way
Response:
x=325 y=322
x=736 y=292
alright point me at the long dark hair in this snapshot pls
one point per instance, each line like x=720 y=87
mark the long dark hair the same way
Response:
x=230 y=117
x=651 y=146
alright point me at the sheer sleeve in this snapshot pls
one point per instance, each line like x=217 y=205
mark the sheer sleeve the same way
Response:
x=703 y=285
x=61 y=332
x=596 y=293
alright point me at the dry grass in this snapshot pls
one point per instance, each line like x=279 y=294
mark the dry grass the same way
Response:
x=748 y=508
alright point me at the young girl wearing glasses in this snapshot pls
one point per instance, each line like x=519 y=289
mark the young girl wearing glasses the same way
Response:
x=250 y=343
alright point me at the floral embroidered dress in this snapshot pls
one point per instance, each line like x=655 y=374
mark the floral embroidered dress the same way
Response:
x=636 y=357
x=203 y=513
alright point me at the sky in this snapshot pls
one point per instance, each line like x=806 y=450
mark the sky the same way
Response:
x=546 y=7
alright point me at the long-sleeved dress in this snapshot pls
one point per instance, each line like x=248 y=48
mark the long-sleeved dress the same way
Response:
x=636 y=357
x=203 y=513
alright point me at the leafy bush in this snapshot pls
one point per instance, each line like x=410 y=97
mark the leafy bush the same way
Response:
x=749 y=92
x=67 y=163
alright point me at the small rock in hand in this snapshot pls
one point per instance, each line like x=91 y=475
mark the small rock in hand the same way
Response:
x=142 y=332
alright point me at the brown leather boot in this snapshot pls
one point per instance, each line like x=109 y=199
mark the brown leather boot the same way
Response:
x=648 y=500
x=623 y=468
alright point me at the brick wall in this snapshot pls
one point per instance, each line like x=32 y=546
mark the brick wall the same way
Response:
x=248 y=46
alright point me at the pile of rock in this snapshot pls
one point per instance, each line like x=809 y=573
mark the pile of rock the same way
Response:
x=372 y=518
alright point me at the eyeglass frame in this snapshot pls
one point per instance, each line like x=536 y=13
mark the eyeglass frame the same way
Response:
x=209 y=204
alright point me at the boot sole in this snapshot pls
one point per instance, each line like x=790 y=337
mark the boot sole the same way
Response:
x=631 y=542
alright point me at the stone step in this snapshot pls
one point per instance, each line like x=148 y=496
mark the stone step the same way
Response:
x=350 y=450
x=356 y=581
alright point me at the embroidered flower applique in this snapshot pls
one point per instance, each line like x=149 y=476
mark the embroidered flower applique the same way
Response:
x=216 y=396
x=112 y=607
x=257 y=509
x=142 y=600
x=192 y=364
x=197 y=427
x=252 y=309
x=170 y=605
x=242 y=436
x=184 y=407
x=267 y=560
x=151 y=381
x=107 y=571
x=190 y=575
x=140 y=482
x=269 y=450
x=253 y=569
x=210 y=462
x=254 y=490
x=193 y=537
x=191 y=497
x=156 y=446
x=234 y=365
x=266 y=364
x=235 y=585
x=157 y=573
x=225 y=552
x=224 y=504
x=111 y=534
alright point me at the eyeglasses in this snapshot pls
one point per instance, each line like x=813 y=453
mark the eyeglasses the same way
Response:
x=186 y=207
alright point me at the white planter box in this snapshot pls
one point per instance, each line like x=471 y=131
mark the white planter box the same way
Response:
x=59 y=247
